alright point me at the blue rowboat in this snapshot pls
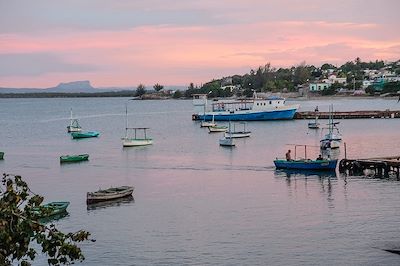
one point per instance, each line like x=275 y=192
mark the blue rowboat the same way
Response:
x=84 y=134
x=322 y=165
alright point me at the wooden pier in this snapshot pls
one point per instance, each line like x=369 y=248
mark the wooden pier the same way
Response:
x=348 y=115
x=382 y=167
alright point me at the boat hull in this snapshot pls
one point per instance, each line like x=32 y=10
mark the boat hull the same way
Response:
x=237 y=134
x=73 y=129
x=74 y=158
x=226 y=142
x=136 y=142
x=109 y=194
x=52 y=208
x=81 y=135
x=323 y=165
x=217 y=129
x=249 y=115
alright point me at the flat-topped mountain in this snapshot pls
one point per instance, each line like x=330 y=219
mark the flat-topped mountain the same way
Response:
x=74 y=86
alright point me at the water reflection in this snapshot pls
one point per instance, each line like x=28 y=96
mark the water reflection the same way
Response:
x=293 y=173
x=53 y=218
x=111 y=203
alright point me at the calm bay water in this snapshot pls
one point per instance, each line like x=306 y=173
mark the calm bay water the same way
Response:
x=196 y=203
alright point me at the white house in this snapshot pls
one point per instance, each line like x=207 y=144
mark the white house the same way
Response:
x=319 y=86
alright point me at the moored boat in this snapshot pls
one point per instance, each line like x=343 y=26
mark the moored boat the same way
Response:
x=84 y=134
x=255 y=109
x=74 y=158
x=109 y=194
x=73 y=125
x=237 y=133
x=213 y=129
x=306 y=164
x=131 y=141
x=52 y=208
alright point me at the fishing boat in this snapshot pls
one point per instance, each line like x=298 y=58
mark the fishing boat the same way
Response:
x=213 y=129
x=333 y=138
x=227 y=141
x=131 y=141
x=73 y=125
x=52 y=208
x=74 y=158
x=255 y=109
x=314 y=124
x=84 y=134
x=238 y=133
x=109 y=194
x=1 y=155
x=320 y=164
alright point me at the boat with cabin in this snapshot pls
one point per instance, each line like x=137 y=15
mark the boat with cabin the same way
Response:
x=320 y=164
x=85 y=134
x=132 y=139
x=109 y=194
x=73 y=125
x=74 y=158
x=254 y=109
x=237 y=133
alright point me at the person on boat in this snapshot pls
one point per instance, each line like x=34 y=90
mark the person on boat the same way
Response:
x=319 y=158
x=288 y=156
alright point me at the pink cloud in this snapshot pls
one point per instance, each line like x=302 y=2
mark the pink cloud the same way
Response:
x=180 y=55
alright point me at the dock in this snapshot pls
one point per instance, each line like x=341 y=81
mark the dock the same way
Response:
x=348 y=115
x=383 y=167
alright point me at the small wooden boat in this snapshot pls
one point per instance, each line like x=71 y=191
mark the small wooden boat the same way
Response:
x=84 y=134
x=213 y=129
x=52 y=208
x=73 y=125
x=226 y=142
x=1 y=155
x=237 y=133
x=74 y=158
x=109 y=194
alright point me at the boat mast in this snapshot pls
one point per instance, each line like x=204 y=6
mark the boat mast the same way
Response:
x=126 y=121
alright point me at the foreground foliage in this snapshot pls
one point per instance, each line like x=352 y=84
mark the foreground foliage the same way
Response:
x=20 y=227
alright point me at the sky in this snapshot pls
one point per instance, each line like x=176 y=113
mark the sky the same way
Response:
x=176 y=42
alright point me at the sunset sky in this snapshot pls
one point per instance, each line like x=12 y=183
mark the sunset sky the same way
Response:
x=175 y=42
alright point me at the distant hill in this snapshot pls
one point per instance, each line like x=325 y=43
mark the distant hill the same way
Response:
x=80 y=86
x=74 y=86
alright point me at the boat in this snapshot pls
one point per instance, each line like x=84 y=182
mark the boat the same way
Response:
x=84 y=134
x=50 y=209
x=255 y=109
x=320 y=164
x=227 y=141
x=73 y=125
x=333 y=138
x=74 y=158
x=306 y=164
x=238 y=133
x=314 y=124
x=213 y=129
x=205 y=123
x=133 y=141
x=109 y=194
x=1 y=155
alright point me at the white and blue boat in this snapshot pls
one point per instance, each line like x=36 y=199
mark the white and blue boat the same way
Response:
x=255 y=109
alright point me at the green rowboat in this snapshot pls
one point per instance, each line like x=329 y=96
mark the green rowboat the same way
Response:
x=52 y=208
x=1 y=155
x=74 y=158
x=85 y=134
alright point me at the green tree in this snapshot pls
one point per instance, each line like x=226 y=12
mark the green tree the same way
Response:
x=157 y=87
x=177 y=94
x=140 y=90
x=301 y=74
x=20 y=226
